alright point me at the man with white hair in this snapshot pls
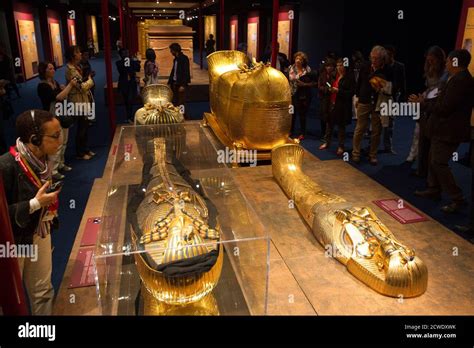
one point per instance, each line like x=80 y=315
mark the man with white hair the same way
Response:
x=374 y=85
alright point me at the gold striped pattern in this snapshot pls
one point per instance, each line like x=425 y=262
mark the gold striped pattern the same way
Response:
x=173 y=220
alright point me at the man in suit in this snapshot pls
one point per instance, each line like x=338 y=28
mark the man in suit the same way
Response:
x=127 y=81
x=398 y=92
x=448 y=126
x=180 y=76
x=469 y=228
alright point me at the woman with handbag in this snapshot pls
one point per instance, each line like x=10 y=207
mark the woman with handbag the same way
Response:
x=50 y=92
x=79 y=94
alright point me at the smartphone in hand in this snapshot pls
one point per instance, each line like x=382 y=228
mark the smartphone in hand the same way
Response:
x=54 y=187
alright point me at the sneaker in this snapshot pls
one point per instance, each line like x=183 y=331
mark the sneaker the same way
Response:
x=90 y=153
x=453 y=207
x=324 y=146
x=85 y=157
x=58 y=177
x=65 y=168
x=373 y=161
x=339 y=151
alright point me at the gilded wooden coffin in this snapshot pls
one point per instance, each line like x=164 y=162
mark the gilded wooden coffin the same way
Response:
x=352 y=234
x=176 y=229
x=158 y=108
x=249 y=106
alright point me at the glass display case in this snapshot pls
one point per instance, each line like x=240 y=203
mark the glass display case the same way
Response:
x=177 y=236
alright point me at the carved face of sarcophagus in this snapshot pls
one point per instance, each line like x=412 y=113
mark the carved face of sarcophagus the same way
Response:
x=250 y=105
x=158 y=108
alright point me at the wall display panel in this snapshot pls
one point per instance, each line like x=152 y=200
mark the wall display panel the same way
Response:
x=468 y=37
x=141 y=38
x=95 y=37
x=71 y=28
x=284 y=34
x=210 y=27
x=252 y=39
x=234 y=33
x=56 y=44
x=26 y=31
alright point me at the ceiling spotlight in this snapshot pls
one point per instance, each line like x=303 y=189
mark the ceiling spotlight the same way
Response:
x=164 y=10
x=154 y=10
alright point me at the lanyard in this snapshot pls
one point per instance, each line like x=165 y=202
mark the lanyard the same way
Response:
x=26 y=168
x=31 y=175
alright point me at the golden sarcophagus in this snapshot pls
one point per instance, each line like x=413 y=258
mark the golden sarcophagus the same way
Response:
x=353 y=234
x=250 y=106
x=158 y=107
x=175 y=230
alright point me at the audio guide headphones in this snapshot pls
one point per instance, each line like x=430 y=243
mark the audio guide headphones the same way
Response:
x=35 y=139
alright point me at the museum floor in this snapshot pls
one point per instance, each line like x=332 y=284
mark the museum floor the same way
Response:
x=391 y=172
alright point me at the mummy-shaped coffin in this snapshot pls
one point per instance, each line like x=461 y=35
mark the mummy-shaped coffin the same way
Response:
x=158 y=107
x=177 y=231
x=356 y=237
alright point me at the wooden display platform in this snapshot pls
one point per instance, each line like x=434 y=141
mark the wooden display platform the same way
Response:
x=326 y=284
x=302 y=280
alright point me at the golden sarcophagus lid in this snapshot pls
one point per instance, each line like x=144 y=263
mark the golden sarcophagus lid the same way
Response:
x=249 y=106
x=351 y=233
x=158 y=107
x=177 y=231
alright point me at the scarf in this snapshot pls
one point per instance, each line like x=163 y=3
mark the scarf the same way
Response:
x=32 y=166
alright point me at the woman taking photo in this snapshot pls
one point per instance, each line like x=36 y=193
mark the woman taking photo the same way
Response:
x=32 y=204
x=79 y=94
x=50 y=92
x=340 y=106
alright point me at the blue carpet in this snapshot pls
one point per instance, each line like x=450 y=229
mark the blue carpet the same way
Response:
x=391 y=172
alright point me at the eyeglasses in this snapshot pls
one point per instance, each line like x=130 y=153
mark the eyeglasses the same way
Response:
x=55 y=136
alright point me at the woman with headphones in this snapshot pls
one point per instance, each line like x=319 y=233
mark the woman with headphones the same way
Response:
x=33 y=201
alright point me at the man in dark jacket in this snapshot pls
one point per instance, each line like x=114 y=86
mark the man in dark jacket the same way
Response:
x=449 y=126
x=180 y=75
x=399 y=93
x=127 y=81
